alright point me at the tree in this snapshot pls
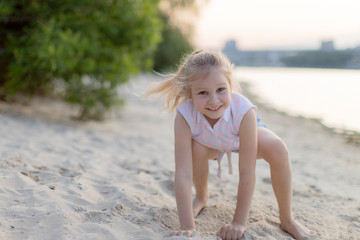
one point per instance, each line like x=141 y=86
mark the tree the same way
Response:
x=88 y=47
x=178 y=17
x=173 y=46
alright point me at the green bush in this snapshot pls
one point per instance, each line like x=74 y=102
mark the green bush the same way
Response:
x=173 y=46
x=89 y=46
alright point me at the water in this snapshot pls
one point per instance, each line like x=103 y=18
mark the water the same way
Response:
x=332 y=95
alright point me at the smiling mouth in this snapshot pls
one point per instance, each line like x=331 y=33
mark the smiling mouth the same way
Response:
x=214 y=109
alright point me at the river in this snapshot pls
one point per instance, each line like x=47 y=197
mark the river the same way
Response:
x=331 y=95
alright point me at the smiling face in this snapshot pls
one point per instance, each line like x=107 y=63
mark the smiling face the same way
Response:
x=211 y=95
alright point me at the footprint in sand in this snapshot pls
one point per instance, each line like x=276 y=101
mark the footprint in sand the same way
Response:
x=168 y=186
x=266 y=180
x=68 y=173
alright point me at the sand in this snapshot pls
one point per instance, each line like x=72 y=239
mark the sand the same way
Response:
x=65 y=179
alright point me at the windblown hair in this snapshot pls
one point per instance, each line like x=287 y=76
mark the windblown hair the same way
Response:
x=197 y=65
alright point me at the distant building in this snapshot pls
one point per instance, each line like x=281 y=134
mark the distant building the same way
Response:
x=325 y=57
x=232 y=52
x=327 y=46
x=355 y=61
x=268 y=58
x=231 y=45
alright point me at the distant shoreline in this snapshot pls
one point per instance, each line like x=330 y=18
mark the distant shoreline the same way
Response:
x=351 y=136
x=325 y=57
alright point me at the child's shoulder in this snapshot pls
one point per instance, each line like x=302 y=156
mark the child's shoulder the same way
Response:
x=236 y=95
x=187 y=108
x=237 y=98
x=186 y=105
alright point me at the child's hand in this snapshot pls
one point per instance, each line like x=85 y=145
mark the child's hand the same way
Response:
x=231 y=231
x=186 y=233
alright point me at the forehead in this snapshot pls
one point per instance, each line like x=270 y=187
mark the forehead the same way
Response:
x=212 y=78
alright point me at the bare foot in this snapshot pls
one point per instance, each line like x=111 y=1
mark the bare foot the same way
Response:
x=297 y=230
x=198 y=206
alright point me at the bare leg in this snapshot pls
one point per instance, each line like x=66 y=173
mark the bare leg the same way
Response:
x=274 y=151
x=201 y=155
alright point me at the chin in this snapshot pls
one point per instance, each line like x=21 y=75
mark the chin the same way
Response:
x=214 y=117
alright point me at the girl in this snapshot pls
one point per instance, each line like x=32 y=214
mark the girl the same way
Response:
x=211 y=120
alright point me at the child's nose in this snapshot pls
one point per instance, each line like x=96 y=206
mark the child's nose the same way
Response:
x=213 y=98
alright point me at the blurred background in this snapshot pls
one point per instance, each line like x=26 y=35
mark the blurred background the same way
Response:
x=302 y=57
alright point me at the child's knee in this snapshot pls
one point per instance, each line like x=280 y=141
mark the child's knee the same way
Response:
x=280 y=147
x=277 y=151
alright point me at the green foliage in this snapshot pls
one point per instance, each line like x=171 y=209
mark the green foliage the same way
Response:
x=173 y=46
x=91 y=46
x=176 y=32
x=318 y=59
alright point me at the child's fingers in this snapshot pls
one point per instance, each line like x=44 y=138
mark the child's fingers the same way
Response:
x=186 y=233
x=220 y=233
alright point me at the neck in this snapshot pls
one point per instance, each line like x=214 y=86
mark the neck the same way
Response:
x=211 y=121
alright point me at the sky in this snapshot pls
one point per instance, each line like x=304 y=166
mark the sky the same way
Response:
x=278 y=24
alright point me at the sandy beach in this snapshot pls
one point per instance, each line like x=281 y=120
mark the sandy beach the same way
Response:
x=65 y=179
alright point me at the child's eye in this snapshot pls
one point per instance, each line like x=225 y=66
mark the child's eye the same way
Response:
x=202 y=93
x=221 y=89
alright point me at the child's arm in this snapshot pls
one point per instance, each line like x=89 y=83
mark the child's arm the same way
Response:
x=183 y=173
x=247 y=162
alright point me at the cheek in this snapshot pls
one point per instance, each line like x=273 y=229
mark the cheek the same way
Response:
x=199 y=102
x=226 y=98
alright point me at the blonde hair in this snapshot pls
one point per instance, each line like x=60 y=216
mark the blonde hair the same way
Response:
x=196 y=65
